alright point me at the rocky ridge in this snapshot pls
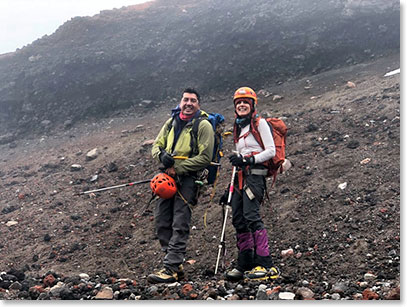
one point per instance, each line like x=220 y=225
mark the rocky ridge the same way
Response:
x=140 y=57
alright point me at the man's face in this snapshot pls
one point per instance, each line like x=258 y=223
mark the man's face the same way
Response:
x=189 y=104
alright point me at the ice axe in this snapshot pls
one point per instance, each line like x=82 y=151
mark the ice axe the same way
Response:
x=227 y=208
x=186 y=158
x=116 y=186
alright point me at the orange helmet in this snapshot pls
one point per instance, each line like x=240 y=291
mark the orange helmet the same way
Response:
x=163 y=186
x=245 y=92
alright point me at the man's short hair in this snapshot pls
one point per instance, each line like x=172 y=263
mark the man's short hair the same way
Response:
x=191 y=90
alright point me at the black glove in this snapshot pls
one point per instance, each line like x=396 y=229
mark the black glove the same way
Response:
x=166 y=159
x=238 y=160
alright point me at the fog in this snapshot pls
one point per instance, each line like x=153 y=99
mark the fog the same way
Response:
x=23 y=21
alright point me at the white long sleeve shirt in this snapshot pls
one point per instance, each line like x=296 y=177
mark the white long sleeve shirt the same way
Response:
x=247 y=145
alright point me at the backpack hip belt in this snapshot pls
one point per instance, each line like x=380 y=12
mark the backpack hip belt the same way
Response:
x=257 y=171
x=242 y=173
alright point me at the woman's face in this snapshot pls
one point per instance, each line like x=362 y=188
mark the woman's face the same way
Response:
x=242 y=107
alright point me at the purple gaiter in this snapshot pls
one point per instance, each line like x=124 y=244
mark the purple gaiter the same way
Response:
x=245 y=241
x=262 y=242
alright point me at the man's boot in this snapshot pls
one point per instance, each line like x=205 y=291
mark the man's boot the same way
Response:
x=167 y=275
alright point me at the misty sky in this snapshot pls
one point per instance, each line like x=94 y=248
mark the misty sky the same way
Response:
x=24 y=21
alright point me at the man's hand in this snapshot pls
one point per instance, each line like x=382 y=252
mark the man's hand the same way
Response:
x=238 y=160
x=166 y=159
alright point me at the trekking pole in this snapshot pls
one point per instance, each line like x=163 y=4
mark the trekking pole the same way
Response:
x=116 y=186
x=227 y=208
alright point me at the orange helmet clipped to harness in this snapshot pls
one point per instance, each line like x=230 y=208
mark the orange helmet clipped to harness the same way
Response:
x=245 y=92
x=163 y=186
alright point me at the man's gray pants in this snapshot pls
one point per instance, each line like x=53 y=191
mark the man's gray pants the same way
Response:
x=172 y=221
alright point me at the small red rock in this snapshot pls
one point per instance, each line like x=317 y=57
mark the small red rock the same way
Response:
x=370 y=295
x=49 y=280
x=37 y=288
x=193 y=295
x=186 y=288
x=274 y=290
x=123 y=286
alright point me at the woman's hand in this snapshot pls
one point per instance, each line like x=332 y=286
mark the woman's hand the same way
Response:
x=238 y=160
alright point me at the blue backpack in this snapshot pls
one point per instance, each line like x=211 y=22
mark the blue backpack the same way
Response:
x=216 y=120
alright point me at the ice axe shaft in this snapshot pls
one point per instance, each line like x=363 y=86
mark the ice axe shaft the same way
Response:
x=116 y=186
x=185 y=158
x=227 y=207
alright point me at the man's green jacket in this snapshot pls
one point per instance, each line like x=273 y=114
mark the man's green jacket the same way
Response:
x=205 y=144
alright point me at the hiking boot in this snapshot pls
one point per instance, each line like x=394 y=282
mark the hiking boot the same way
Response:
x=180 y=272
x=273 y=273
x=257 y=273
x=234 y=275
x=261 y=273
x=166 y=275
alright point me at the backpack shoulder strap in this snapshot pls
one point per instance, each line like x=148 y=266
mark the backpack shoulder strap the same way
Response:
x=195 y=126
x=169 y=126
x=254 y=129
x=194 y=135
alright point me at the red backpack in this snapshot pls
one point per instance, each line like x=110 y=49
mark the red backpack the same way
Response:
x=279 y=131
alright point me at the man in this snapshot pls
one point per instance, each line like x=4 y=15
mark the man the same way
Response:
x=173 y=216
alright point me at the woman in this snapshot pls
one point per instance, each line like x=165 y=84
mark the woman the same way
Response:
x=254 y=259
